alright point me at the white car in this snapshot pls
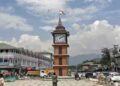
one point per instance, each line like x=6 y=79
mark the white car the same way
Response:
x=114 y=76
x=113 y=73
x=43 y=74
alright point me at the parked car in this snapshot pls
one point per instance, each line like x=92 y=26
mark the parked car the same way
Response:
x=89 y=74
x=106 y=73
x=113 y=73
x=114 y=76
x=43 y=74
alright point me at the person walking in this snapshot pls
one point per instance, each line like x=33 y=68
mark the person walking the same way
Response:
x=54 y=79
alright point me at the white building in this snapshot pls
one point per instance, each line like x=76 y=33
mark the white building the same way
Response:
x=20 y=58
x=49 y=56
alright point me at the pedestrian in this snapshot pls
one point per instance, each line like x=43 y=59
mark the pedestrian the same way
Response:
x=54 y=79
x=86 y=75
x=77 y=76
x=1 y=80
x=94 y=74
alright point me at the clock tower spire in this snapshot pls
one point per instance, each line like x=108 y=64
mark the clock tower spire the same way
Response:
x=60 y=45
x=59 y=22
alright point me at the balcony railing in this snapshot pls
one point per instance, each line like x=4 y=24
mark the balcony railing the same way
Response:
x=6 y=64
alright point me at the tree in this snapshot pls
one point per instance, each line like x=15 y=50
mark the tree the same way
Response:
x=106 y=58
x=115 y=50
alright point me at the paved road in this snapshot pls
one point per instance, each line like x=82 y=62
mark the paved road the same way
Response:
x=67 y=82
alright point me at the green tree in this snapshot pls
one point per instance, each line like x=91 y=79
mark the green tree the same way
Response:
x=115 y=50
x=106 y=58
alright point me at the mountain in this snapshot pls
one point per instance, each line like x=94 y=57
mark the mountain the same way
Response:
x=80 y=58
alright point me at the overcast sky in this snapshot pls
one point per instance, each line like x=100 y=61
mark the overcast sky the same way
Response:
x=93 y=24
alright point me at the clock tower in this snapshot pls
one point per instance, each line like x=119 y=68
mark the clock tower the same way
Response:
x=60 y=45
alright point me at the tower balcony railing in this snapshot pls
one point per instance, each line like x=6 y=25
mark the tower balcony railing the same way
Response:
x=60 y=65
x=61 y=55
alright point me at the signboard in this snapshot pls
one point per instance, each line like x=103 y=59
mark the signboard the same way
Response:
x=36 y=72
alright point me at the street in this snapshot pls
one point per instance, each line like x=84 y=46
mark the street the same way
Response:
x=64 y=82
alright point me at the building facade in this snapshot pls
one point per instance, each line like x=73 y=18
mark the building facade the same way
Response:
x=20 y=58
x=48 y=55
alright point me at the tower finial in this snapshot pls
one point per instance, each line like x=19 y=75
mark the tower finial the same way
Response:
x=61 y=12
x=59 y=22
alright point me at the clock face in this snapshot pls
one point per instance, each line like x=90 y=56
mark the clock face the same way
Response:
x=60 y=38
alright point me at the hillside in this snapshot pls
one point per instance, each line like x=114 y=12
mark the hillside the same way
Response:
x=80 y=58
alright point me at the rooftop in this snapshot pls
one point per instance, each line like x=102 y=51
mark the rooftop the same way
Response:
x=6 y=46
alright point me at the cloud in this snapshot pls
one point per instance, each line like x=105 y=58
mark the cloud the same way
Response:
x=43 y=6
x=78 y=14
x=34 y=42
x=100 y=4
x=99 y=1
x=82 y=11
x=54 y=22
x=73 y=15
x=76 y=26
x=92 y=38
x=9 y=21
x=31 y=42
x=48 y=10
x=7 y=9
x=86 y=40
x=47 y=28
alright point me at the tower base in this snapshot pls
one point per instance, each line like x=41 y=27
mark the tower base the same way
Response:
x=61 y=71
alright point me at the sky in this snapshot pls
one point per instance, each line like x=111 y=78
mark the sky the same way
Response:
x=93 y=24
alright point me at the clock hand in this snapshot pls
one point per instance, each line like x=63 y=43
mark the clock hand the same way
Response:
x=61 y=37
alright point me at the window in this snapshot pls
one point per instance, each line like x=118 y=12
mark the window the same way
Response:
x=6 y=51
x=15 y=60
x=27 y=62
x=11 y=60
x=24 y=62
x=1 y=51
x=60 y=50
x=5 y=60
x=60 y=71
x=1 y=59
x=60 y=61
